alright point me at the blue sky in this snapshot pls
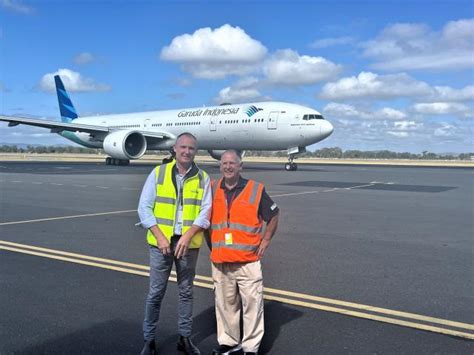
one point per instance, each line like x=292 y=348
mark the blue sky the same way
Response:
x=394 y=75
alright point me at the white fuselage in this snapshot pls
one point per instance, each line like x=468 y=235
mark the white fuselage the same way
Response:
x=256 y=126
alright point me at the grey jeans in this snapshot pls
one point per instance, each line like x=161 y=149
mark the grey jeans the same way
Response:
x=160 y=268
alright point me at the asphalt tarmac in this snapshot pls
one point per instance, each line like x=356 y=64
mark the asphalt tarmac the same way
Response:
x=366 y=259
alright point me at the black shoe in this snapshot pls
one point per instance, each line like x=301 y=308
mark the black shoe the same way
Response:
x=227 y=350
x=186 y=346
x=149 y=348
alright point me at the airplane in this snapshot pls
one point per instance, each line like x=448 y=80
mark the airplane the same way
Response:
x=255 y=126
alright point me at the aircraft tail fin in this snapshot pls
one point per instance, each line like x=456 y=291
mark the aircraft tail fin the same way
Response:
x=66 y=108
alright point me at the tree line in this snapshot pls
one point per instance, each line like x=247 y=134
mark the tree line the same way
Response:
x=334 y=153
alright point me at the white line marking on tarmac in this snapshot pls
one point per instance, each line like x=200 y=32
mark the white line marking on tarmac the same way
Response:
x=79 y=185
x=56 y=184
x=102 y=187
x=297 y=193
x=143 y=271
x=66 y=217
x=37 y=183
x=359 y=186
x=16 y=181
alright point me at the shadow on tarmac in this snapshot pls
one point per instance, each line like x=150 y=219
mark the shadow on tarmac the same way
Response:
x=118 y=336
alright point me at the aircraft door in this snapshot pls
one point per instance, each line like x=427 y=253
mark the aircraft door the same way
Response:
x=146 y=123
x=273 y=120
x=212 y=124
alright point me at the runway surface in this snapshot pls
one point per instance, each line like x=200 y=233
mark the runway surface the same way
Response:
x=365 y=260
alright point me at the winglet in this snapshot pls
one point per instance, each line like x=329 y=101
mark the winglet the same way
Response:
x=68 y=112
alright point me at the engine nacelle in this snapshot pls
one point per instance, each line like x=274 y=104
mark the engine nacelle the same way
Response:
x=217 y=154
x=125 y=145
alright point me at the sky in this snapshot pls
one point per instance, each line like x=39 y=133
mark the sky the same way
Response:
x=396 y=75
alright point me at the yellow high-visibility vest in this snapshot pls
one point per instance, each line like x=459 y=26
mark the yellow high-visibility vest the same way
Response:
x=165 y=203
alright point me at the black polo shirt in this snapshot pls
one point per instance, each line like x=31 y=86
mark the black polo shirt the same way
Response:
x=267 y=209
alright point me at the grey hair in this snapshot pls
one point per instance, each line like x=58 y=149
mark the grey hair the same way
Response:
x=235 y=152
x=186 y=134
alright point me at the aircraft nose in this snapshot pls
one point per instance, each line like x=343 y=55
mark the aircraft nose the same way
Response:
x=326 y=129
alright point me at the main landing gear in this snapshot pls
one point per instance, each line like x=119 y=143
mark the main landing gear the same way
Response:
x=291 y=166
x=115 y=161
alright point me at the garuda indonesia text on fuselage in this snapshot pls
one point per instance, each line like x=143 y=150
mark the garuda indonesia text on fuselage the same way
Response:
x=255 y=126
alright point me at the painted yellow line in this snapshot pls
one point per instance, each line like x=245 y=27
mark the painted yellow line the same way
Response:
x=76 y=261
x=372 y=309
x=372 y=317
x=65 y=217
x=86 y=257
x=44 y=252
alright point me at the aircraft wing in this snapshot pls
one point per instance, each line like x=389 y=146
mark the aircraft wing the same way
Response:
x=55 y=126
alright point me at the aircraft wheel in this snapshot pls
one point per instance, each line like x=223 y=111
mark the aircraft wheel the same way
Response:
x=294 y=167
x=108 y=161
x=288 y=167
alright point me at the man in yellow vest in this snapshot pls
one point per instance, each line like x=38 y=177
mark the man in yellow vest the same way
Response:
x=239 y=208
x=174 y=206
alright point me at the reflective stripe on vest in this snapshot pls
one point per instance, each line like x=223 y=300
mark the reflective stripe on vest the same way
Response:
x=243 y=227
x=165 y=203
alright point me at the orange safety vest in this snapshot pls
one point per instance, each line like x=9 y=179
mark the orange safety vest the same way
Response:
x=236 y=234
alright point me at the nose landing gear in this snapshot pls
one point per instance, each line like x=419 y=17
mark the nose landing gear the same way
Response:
x=291 y=166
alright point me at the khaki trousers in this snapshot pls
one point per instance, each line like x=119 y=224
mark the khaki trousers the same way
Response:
x=239 y=285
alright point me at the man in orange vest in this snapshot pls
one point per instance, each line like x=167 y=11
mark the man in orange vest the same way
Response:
x=238 y=242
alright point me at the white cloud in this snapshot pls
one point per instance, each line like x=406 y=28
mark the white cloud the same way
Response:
x=16 y=6
x=407 y=125
x=398 y=134
x=236 y=95
x=388 y=113
x=348 y=111
x=403 y=129
x=443 y=108
x=244 y=90
x=371 y=85
x=446 y=130
x=84 y=58
x=287 y=67
x=448 y=94
x=342 y=110
x=405 y=46
x=215 y=53
x=330 y=42
x=73 y=82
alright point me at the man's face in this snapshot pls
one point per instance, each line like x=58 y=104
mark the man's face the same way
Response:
x=231 y=166
x=185 y=149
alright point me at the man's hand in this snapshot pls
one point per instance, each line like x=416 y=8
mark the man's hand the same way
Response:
x=163 y=243
x=267 y=236
x=264 y=243
x=182 y=245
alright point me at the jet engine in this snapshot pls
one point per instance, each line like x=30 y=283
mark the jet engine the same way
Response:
x=125 y=145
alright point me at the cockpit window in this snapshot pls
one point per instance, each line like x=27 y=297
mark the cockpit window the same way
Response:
x=313 y=117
